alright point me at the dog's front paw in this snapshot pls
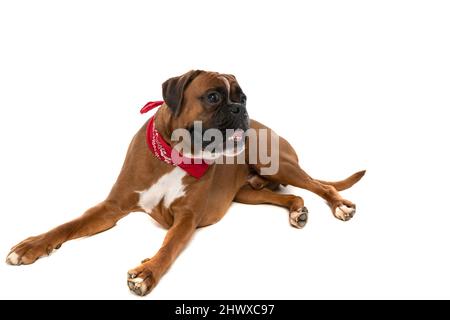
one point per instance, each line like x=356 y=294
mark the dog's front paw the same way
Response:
x=344 y=211
x=29 y=250
x=299 y=217
x=141 y=280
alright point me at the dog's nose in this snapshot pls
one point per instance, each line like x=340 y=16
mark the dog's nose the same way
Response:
x=236 y=108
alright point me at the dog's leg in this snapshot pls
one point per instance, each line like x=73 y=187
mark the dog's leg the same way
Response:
x=298 y=214
x=142 y=279
x=97 y=219
x=291 y=173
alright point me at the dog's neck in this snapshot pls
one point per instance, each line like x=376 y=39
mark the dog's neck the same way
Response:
x=163 y=122
x=159 y=131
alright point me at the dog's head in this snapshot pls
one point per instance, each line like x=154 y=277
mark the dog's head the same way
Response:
x=213 y=99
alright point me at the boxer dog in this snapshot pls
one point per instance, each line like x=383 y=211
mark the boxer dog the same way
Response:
x=183 y=197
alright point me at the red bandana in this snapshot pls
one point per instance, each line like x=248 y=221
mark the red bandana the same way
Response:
x=163 y=151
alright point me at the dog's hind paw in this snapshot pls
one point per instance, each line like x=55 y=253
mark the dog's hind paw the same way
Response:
x=298 y=218
x=344 y=212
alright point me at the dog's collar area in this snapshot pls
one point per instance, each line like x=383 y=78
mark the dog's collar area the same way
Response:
x=151 y=105
x=164 y=152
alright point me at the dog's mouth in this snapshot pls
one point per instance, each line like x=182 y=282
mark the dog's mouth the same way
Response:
x=204 y=136
x=213 y=142
x=234 y=143
x=237 y=136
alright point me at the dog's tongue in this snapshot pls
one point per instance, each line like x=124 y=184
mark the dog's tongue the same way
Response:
x=238 y=135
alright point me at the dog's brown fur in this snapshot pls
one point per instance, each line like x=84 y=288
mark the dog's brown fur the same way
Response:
x=224 y=183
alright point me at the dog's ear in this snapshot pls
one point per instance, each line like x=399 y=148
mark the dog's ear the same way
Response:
x=173 y=90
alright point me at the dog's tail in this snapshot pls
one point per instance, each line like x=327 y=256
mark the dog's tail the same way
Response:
x=347 y=183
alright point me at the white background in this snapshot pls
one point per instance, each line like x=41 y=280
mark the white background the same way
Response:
x=351 y=84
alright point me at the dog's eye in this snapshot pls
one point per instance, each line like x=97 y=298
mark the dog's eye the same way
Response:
x=243 y=98
x=214 y=97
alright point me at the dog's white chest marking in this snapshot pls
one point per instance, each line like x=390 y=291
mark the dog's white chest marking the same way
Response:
x=168 y=188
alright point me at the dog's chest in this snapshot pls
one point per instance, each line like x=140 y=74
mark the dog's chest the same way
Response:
x=167 y=189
